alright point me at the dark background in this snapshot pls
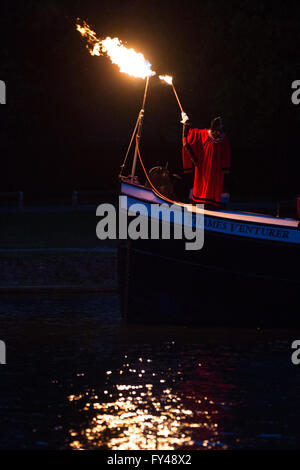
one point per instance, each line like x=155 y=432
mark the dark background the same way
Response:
x=69 y=116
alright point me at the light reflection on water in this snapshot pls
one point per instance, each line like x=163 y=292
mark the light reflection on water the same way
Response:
x=134 y=413
x=77 y=379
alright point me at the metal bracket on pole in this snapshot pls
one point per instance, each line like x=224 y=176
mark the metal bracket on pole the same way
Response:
x=138 y=138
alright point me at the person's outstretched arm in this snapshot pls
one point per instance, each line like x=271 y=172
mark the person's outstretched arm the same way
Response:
x=186 y=146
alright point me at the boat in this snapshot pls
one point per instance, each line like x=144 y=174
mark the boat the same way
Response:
x=245 y=275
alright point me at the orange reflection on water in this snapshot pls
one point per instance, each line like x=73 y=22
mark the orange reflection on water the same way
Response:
x=136 y=418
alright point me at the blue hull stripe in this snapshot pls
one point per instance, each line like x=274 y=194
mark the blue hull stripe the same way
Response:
x=228 y=223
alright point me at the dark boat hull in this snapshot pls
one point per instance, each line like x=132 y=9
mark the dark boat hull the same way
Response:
x=231 y=281
x=158 y=287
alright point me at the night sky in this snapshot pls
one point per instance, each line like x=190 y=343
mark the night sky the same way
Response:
x=69 y=116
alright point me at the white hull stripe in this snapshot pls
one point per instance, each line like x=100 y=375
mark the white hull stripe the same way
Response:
x=229 y=223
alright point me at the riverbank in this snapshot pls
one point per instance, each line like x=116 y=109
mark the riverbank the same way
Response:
x=48 y=248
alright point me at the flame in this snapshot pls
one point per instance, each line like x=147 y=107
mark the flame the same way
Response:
x=128 y=60
x=167 y=79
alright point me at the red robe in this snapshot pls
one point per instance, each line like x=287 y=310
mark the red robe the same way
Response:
x=213 y=157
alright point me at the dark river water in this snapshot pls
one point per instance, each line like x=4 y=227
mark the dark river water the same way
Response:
x=78 y=378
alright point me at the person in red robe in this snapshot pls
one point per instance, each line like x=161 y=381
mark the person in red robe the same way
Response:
x=208 y=151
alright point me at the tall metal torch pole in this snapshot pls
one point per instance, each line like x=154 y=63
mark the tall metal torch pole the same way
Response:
x=176 y=96
x=139 y=131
